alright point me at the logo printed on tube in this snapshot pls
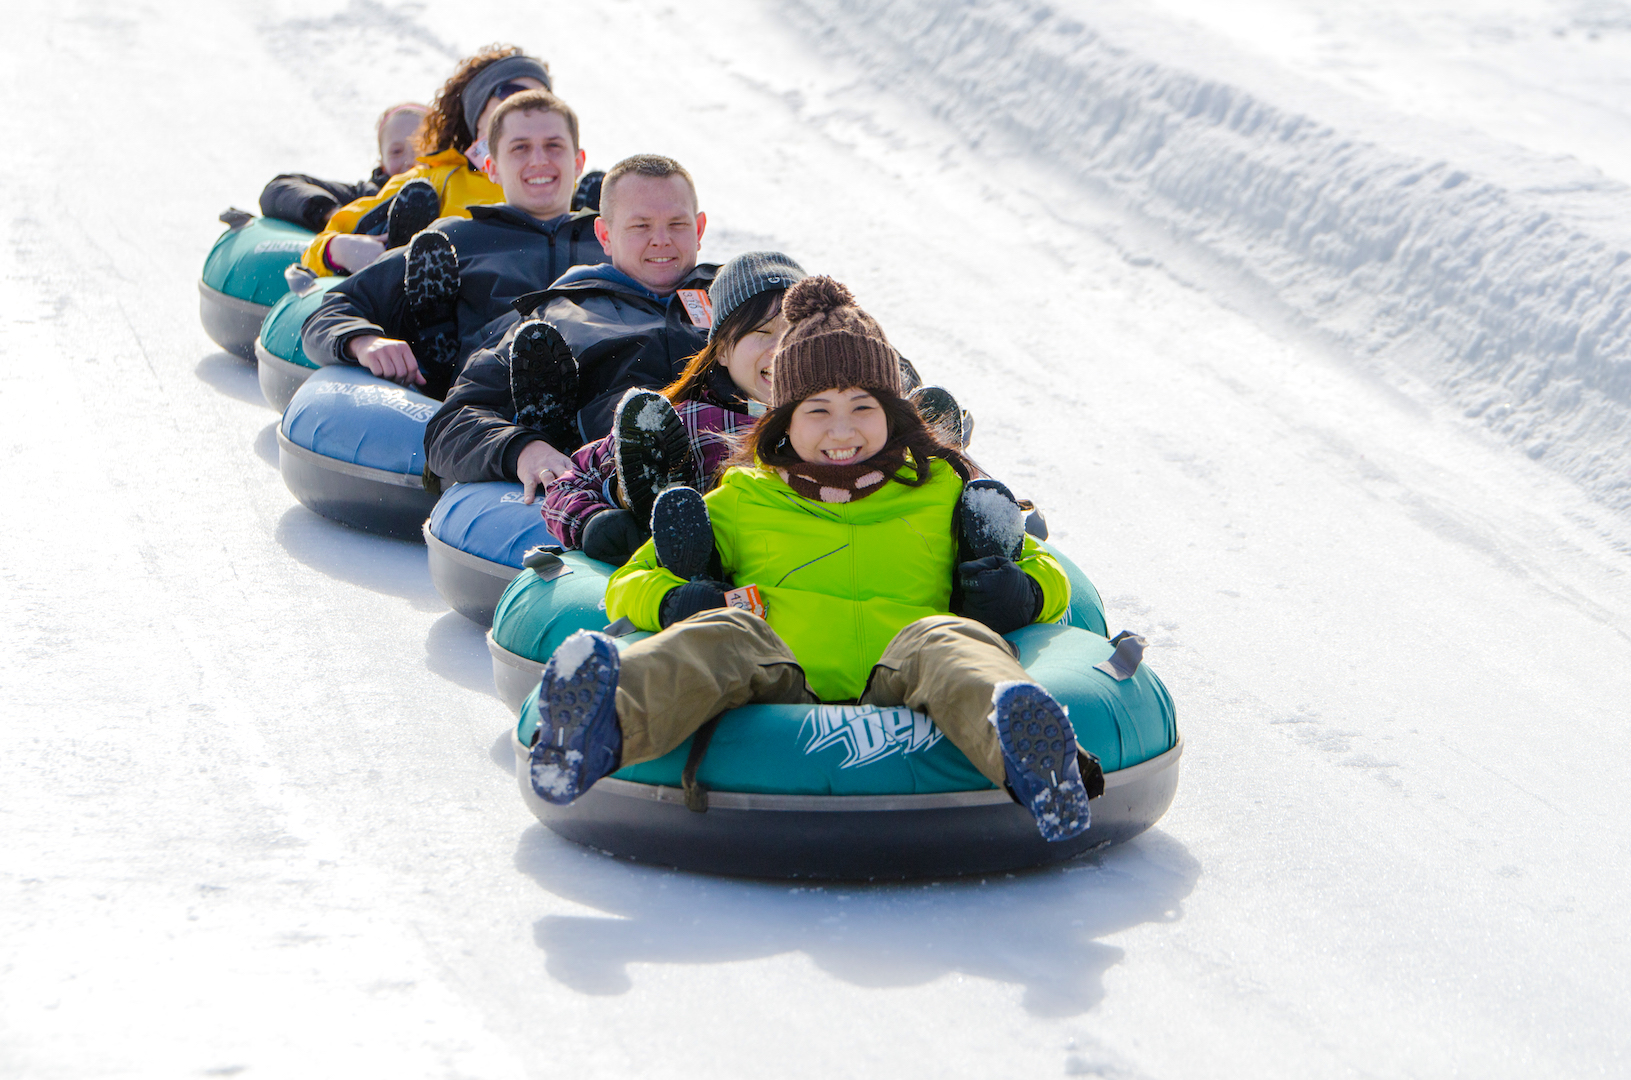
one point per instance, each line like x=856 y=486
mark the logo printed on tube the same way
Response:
x=698 y=307
x=868 y=733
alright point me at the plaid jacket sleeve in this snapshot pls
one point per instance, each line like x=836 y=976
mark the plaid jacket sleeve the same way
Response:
x=571 y=500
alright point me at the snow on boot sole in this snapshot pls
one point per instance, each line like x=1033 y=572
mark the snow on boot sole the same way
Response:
x=650 y=449
x=1039 y=754
x=412 y=211
x=578 y=739
x=430 y=281
x=543 y=379
x=941 y=413
x=682 y=532
x=989 y=521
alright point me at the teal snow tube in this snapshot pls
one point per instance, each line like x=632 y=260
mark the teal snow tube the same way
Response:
x=842 y=792
x=243 y=278
x=281 y=363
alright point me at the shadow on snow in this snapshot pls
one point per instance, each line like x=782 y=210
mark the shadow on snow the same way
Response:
x=1039 y=930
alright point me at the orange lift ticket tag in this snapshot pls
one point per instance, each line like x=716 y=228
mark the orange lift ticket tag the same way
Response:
x=746 y=598
x=699 y=307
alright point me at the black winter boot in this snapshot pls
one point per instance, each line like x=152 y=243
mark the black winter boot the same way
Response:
x=586 y=196
x=412 y=211
x=989 y=522
x=941 y=414
x=431 y=282
x=544 y=382
x=651 y=449
x=682 y=533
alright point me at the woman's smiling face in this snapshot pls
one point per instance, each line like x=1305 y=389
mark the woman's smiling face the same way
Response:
x=748 y=361
x=838 y=427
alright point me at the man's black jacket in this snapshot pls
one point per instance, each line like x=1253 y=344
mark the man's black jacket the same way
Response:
x=504 y=253
x=621 y=335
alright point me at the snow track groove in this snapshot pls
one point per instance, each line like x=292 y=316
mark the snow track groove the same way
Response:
x=1503 y=282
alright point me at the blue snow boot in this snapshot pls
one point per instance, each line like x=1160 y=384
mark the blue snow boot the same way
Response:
x=578 y=740
x=1039 y=754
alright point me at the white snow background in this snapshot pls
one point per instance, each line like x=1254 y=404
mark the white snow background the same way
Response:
x=1305 y=322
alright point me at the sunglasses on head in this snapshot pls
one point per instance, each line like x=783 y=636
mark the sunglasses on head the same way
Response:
x=505 y=89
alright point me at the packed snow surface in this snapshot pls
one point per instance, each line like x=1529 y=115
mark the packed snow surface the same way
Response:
x=1306 y=328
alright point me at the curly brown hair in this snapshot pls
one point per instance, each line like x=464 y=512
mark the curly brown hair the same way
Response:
x=444 y=127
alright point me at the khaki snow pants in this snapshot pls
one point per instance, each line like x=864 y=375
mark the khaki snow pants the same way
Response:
x=675 y=681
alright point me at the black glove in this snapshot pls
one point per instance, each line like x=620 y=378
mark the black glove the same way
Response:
x=612 y=536
x=684 y=601
x=998 y=593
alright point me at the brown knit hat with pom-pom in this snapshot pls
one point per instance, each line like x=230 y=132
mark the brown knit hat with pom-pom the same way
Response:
x=830 y=344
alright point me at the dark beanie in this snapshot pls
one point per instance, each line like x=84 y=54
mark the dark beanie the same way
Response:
x=830 y=344
x=746 y=276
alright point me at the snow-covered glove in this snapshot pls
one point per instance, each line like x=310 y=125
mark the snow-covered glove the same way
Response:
x=998 y=593
x=684 y=601
x=612 y=536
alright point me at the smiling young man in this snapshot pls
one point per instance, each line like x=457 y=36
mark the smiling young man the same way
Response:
x=576 y=347
x=415 y=315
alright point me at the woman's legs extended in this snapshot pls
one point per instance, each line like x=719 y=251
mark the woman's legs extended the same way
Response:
x=674 y=682
x=948 y=667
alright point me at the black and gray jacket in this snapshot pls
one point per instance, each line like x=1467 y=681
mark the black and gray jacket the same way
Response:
x=503 y=253
x=622 y=336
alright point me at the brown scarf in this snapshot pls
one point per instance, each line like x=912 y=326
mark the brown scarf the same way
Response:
x=844 y=483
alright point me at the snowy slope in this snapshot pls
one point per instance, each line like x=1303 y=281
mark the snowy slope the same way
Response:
x=258 y=814
x=1493 y=272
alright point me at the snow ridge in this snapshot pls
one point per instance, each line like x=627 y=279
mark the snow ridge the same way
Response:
x=1503 y=283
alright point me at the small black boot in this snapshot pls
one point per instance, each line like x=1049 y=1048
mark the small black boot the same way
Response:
x=651 y=449
x=942 y=415
x=544 y=383
x=682 y=533
x=431 y=282
x=412 y=211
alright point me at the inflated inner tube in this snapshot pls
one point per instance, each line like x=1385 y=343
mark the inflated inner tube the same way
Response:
x=280 y=359
x=352 y=447
x=477 y=536
x=243 y=278
x=840 y=791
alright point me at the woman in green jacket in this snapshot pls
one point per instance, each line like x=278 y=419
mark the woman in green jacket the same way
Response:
x=884 y=576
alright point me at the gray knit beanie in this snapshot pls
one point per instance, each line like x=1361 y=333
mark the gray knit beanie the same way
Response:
x=830 y=344
x=746 y=276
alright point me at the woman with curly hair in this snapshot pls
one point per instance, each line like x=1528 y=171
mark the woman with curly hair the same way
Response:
x=448 y=178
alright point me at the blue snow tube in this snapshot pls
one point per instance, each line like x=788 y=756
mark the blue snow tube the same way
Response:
x=841 y=792
x=477 y=536
x=281 y=363
x=352 y=447
x=243 y=277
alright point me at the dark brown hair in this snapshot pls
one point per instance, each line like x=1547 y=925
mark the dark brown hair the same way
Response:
x=653 y=165
x=748 y=317
x=444 y=127
x=528 y=101
x=766 y=442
